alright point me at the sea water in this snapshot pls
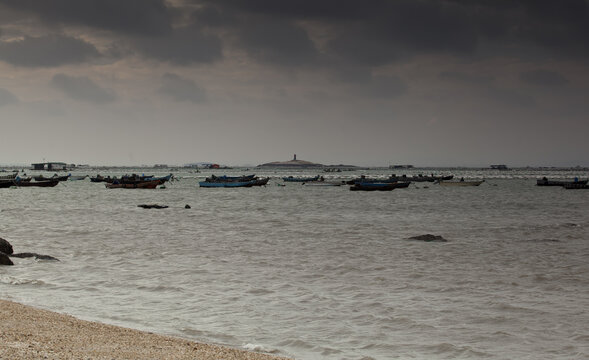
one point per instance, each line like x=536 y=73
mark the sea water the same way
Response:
x=316 y=272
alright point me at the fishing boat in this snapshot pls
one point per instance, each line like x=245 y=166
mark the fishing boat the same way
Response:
x=546 y=182
x=161 y=179
x=233 y=181
x=300 y=179
x=54 y=177
x=42 y=183
x=233 y=178
x=372 y=186
x=261 y=181
x=226 y=184
x=135 y=185
x=97 y=178
x=419 y=178
x=462 y=182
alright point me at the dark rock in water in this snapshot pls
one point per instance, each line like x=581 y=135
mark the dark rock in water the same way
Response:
x=152 y=206
x=36 y=256
x=187 y=206
x=5 y=247
x=429 y=238
x=5 y=260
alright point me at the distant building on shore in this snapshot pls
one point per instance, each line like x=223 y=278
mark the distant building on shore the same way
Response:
x=50 y=166
x=294 y=163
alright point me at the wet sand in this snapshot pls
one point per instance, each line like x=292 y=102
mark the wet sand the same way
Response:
x=30 y=333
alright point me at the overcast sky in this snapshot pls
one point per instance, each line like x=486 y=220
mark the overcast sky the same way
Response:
x=370 y=83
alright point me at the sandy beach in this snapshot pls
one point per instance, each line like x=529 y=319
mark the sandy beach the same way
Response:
x=30 y=333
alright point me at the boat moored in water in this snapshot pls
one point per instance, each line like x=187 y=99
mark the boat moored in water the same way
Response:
x=152 y=184
x=300 y=179
x=546 y=182
x=372 y=186
x=462 y=182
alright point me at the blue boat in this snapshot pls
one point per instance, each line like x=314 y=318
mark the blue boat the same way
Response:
x=233 y=178
x=162 y=179
x=231 y=184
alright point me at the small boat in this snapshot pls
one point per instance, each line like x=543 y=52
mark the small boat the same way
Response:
x=135 y=185
x=462 y=182
x=162 y=179
x=97 y=178
x=372 y=186
x=43 y=183
x=233 y=178
x=54 y=177
x=300 y=179
x=261 y=181
x=546 y=182
x=364 y=179
x=226 y=184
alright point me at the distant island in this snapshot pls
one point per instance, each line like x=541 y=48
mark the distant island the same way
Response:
x=294 y=163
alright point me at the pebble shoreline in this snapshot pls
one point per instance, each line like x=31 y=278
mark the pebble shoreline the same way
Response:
x=30 y=333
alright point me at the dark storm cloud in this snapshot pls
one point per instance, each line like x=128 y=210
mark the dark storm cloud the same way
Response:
x=82 y=89
x=278 y=42
x=352 y=33
x=7 y=98
x=181 y=89
x=183 y=46
x=47 y=51
x=150 y=17
x=541 y=77
x=380 y=32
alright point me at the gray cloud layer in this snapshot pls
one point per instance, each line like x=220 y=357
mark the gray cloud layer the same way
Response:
x=7 y=98
x=408 y=70
x=371 y=33
x=47 y=51
x=181 y=89
x=148 y=17
x=82 y=89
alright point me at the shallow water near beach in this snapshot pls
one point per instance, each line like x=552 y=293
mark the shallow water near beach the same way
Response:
x=316 y=272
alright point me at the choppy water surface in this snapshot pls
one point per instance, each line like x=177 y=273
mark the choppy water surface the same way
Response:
x=316 y=272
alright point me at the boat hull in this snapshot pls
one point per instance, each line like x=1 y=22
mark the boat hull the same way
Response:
x=230 y=184
x=139 y=185
x=44 y=183
x=461 y=183
x=546 y=182
x=372 y=187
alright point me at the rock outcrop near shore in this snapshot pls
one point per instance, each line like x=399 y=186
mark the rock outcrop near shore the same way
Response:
x=5 y=247
x=5 y=260
x=6 y=252
x=428 y=238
